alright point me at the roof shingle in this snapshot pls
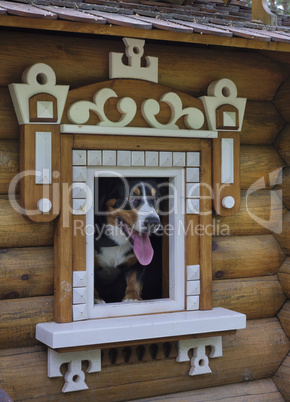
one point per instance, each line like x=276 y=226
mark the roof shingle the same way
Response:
x=211 y=17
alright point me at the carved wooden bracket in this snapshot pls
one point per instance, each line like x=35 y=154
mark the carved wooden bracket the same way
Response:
x=39 y=104
x=262 y=12
x=75 y=376
x=199 y=361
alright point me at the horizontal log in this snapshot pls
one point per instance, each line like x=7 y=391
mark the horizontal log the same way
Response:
x=260 y=213
x=284 y=317
x=283 y=57
x=26 y=272
x=262 y=122
x=282 y=378
x=256 y=297
x=252 y=353
x=284 y=276
x=283 y=238
x=259 y=390
x=245 y=256
x=283 y=184
x=18 y=231
x=9 y=128
x=9 y=163
x=282 y=143
x=282 y=100
x=258 y=162
x=19 y=318
x=244 y=69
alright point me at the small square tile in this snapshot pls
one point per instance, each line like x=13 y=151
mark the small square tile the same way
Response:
x=80 y=295
x=44 y=109
x=193 y=159
x=178 y=159
x=79 y=279
x=192 y=303
x=95 y=158
x=192 y=206
x=79 y=206
x=192 y=272
x=192 y=175
x=193 y=288
x=79 y=173
x=165 y=159
x=79 y=190
x=192 y=190
x=124 y=158
x=109 y=158
x=138 y=158
x=151 y=158
x=230 y=119
x=80 y=312
x=79 y=157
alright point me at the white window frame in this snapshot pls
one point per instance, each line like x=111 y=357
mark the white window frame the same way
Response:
x=176 y=300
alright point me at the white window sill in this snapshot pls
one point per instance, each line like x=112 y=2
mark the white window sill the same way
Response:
x=112 y=330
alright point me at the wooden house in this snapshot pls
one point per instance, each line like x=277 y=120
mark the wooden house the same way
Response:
x=197 y=93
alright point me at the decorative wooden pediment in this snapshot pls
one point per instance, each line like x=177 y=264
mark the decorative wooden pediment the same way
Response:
x=119 y=107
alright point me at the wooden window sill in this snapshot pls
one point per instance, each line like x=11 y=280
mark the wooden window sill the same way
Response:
x=114 y=330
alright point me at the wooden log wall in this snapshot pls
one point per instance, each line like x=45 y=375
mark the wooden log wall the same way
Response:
x=259 y=390
x=250 y=264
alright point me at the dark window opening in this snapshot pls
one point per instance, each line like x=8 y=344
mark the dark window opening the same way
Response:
x=131 y=247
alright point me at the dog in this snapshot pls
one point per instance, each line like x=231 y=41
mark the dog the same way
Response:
x=126 y=216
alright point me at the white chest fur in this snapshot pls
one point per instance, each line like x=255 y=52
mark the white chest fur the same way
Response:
x=114 y=256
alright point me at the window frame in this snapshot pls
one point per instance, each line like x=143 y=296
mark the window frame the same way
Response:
x=176 y=300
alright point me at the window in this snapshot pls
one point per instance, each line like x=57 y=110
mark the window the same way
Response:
x=175 y=251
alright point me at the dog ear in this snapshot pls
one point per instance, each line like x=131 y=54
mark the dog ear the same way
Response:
x=108 y=188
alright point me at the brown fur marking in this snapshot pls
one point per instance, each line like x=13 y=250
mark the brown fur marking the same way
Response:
x=128 y=216
x=134 y=288
x=137 y=191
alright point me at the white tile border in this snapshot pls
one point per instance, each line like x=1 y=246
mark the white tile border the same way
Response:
x=124 y=159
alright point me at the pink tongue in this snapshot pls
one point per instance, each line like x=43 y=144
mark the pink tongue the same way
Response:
x=143 y=248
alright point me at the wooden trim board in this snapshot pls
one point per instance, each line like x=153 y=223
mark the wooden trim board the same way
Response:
x=155 y=34
x=63 y=252
x=104 y=331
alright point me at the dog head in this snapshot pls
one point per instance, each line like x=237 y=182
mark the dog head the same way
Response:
x=130 y=210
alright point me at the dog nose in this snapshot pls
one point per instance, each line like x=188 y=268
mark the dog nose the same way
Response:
x=152 y=223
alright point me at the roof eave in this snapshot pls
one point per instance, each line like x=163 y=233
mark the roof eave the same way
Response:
x=154 y=34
